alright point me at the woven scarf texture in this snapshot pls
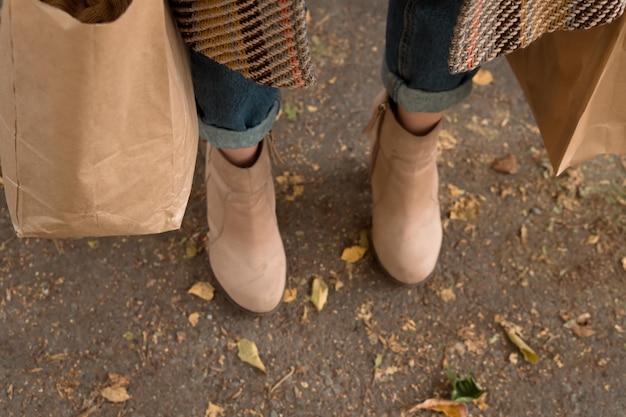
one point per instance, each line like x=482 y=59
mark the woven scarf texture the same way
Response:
x=264 y=40
x=487 y=29
x=92 y=11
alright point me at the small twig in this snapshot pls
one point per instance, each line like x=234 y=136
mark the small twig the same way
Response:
x=282 y=380
x=6 y=242
x=238 y=393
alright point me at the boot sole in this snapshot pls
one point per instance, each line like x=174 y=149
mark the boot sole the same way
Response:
x=396 y=281
x=241 y=308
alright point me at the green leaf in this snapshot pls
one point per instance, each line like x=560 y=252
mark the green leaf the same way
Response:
x=464 y=389
x=378 y=361
x=291 y=112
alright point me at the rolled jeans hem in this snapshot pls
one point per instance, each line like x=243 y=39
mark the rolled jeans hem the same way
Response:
x=422 y=101
x=231 y=139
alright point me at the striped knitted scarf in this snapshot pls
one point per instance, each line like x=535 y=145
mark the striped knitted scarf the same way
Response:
x=489 y=28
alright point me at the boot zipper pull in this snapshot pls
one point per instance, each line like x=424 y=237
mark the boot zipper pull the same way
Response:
x=377 y=114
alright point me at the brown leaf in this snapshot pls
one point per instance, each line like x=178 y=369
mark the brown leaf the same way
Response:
x=447 y=141
x=118 y=380
x=353 y=254
x=483 y=77
x=465 y=208
x=115 y=394
x=580 y=325
x=448 y=407
x=447 y=295
x=214 y=411
x=194 y=318
x=290 y=295
x=203 y=290
x=505 y=165
x=523 y=232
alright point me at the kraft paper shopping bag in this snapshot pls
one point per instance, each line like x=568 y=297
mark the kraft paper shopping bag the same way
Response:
x=575 y=84
x=98 y=127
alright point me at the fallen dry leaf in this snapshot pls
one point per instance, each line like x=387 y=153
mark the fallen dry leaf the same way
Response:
x=115 y=394
x=513 y=331
x=455 y=191
x=483 y=77
x=447 y=141
x=292 y=185
x=448 y=407
x=213 y=410
x=353 y=254
x=290 y=295
x=203 y=290
x=191 y=249
x=580 y=326
x=481 y=402
x=447 y=295
x=117 y=380
x=465 y=208
x=593 y=239
x=505 y=165
x=194 y=318
x=523 y=233
x=319 y=293
x=248 y=353
x=624 y=263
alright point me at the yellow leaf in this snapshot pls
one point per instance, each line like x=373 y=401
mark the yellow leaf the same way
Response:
x=364 y=240
x=93 y=244
x=447 y=295
x=447 y=141
x=115 y=394
x=191 y=249
x=311 y=109
x=523 y=232
x=353 y=254
x=319 y=293
x=513 y=331
x=214 y=410
x=248 y=353
x=448 y=407
x=290 y=295
x=455 y=191
x=203 y=290
x=194 y=318
x=483 y=77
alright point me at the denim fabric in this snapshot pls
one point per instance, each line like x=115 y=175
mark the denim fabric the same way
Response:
x=415 y=69
x=233 y=111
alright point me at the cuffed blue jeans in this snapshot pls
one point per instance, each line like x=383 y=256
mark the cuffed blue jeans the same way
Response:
x=235 y=112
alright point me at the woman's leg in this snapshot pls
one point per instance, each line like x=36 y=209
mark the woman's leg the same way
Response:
x=406 y=223
x=245 y=248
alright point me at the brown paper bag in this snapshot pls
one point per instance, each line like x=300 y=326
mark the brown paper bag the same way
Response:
x=575 y=84
x=98 y=127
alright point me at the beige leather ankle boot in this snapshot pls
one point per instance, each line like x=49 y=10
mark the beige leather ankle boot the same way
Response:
x=245 y=248
x=406 y=222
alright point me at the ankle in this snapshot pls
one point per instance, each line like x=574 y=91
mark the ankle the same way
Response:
x=242 y=157
x=417 y=123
